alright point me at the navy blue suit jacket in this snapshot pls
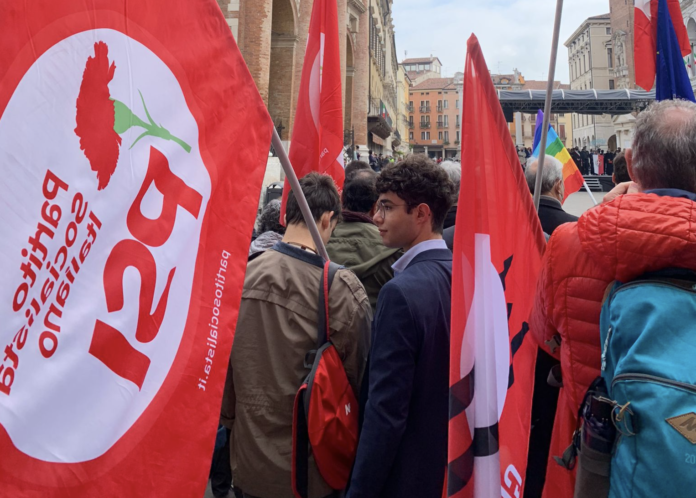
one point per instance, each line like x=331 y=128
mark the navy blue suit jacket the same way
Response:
x=403 y=444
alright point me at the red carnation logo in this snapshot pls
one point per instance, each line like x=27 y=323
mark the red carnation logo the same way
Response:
x=101 y=120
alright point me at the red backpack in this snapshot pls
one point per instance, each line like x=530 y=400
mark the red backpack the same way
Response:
x=326 y=409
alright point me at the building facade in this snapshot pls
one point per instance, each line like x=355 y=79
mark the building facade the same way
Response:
x=272 y=36
x=383 y=97
x=589 y=53
x=523 y=128
x=421 y=69
x=435 y=117
x=689 y=12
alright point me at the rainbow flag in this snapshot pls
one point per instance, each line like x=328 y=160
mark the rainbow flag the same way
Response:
x=572 y=178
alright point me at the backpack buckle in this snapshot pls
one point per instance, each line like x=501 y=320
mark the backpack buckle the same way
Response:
x=309 y=359
x=554 y=343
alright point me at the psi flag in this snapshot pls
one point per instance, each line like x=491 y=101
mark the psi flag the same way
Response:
x=317 y=136
x=126 y=208
x=496 y=260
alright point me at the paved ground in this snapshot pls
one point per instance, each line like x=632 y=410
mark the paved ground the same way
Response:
x=580 y=202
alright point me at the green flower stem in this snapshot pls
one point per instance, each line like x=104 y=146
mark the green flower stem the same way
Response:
x=124 y=119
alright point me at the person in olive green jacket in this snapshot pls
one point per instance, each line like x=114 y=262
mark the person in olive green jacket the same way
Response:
x=356 y=243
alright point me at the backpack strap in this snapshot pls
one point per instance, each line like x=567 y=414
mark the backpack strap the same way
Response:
x=323 y=331
x=300 y=450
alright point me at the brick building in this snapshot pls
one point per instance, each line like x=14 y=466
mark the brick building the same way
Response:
x=272 y=36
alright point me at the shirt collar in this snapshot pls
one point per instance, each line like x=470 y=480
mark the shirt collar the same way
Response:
x=672 y=192
x=427 y=245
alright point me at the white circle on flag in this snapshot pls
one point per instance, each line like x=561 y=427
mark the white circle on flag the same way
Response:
x=70 y=407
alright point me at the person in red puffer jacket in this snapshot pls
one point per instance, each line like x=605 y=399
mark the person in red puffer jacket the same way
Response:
x=625 y=237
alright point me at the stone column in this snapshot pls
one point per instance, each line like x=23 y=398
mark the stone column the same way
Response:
x=361 y=82
x=519 y=140
x=255 y=41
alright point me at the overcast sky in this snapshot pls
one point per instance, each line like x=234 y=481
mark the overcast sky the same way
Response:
x=512 y=33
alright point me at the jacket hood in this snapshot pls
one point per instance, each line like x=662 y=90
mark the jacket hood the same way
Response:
x=359 y=247
x=264 y=242
x=640 y=233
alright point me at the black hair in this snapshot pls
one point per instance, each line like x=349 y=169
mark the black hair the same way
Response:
x=621 y=168
x=322 y=197
x=360 y=193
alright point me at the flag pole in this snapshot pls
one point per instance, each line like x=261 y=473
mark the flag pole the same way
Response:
x=547 y=104
x=299 y=195
x=590 y=193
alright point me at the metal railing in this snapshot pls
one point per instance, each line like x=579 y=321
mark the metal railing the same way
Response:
x=425 y=108
x=425 y=124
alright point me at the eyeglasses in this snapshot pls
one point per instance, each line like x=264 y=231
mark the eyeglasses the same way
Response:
x=383 y=208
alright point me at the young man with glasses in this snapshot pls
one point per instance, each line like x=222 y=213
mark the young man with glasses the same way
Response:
x=403 y=444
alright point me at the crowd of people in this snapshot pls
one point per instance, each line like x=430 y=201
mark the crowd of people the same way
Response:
x=391 y=230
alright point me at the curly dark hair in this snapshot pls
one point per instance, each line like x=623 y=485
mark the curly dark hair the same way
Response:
x=322 y=196
x=269 y=219
x=418 y=180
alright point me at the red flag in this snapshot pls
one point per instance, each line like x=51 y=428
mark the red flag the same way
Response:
x=317 y=135
x=645 y=38
x=497 y=256
x=126 y=219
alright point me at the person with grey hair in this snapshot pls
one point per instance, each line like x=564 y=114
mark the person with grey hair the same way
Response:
x=454 y=171
x=551 y=213
x=644 y=227
x=269 y=229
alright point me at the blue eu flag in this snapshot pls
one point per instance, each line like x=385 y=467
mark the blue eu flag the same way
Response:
x=672 y=80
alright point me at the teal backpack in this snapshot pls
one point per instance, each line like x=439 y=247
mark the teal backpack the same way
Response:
x=648 y=334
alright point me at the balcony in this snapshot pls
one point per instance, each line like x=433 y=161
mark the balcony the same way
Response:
x=411 y=125
x=439 y=108
x=459 y=125
x=396 y=138
x=409 y=108
x=425 y=108
x=378 y=120
x=440 y=124
x=425 y=125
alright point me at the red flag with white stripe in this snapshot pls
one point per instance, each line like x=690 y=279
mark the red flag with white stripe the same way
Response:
x=645 y=38
x=317 y=135
x=496 y=260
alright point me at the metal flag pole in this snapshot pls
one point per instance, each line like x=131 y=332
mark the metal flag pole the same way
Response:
x=590 y=193
x=299 y=195
x=547 y=104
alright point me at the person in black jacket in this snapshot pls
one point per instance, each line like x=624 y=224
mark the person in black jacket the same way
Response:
x=454 y=170
x=545 y=398
x=402 y=451
x=586 y=160
x=551 y=213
